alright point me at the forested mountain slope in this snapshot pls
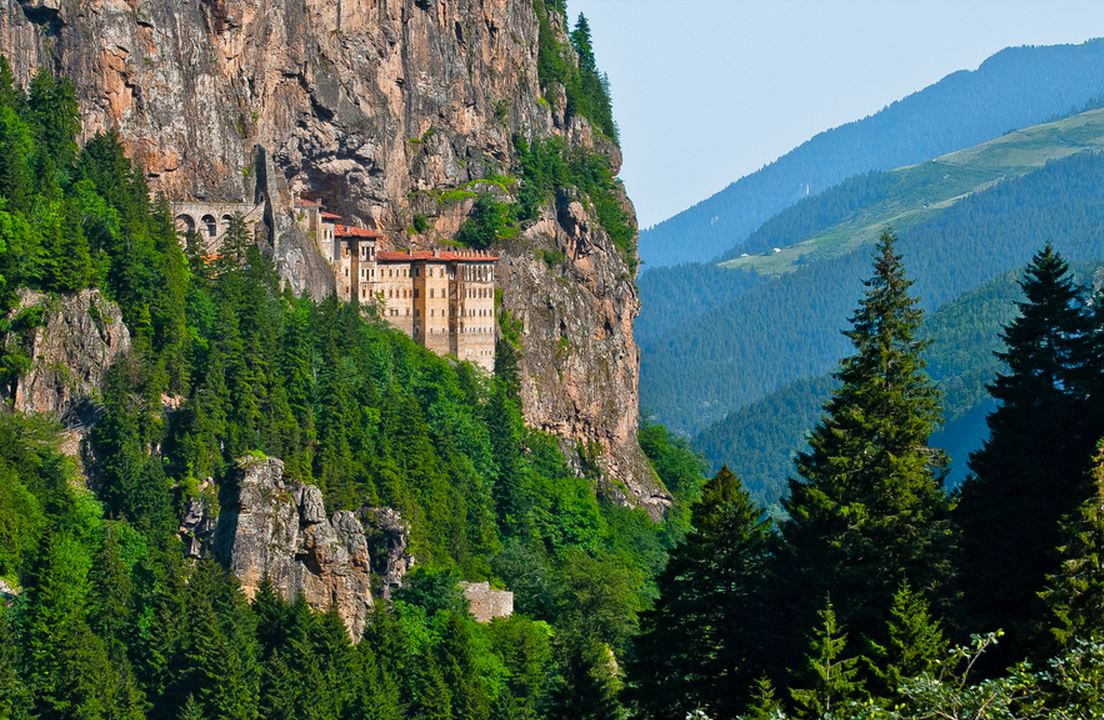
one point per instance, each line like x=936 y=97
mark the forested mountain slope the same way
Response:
x=400 y=116
x=759 y=441
x=854 y=212
x=1014 y=88
x=784 y=330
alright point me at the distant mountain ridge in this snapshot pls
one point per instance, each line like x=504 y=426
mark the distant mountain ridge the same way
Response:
x=1014 y=88
x=734 y=353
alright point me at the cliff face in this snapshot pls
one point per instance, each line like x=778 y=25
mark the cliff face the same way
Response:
x=270 y=528
x=377 y=106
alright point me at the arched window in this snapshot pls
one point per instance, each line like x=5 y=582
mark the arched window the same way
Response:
x=210 y=224
x=226 y=222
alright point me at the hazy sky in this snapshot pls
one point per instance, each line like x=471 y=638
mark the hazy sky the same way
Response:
x=706 y=91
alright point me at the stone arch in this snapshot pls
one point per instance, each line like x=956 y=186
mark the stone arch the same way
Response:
x=185 y=224
x=210 y=225
x=226 y=218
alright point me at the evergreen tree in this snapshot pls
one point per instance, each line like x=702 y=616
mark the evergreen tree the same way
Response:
x=868 y=512
x=1031 y=471
x=15 y=697
x=764 y=704
x=915 y=642
x=834 y=676
x=1074 y=594
x=700 y=641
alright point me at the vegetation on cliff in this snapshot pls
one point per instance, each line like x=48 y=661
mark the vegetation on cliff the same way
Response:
x=111 y=621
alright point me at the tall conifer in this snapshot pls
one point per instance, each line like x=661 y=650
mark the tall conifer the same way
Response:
x=699 y=642
x=868 y=511
x=1030 y=472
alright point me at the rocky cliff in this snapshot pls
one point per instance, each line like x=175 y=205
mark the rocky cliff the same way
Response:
x=275 y=529
x=377 y=106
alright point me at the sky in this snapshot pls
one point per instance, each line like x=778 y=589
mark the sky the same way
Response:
x=706 y=91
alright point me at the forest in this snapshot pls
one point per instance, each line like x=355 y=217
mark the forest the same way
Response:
x=879 y=593
x=1014 y=88
x=780 y=331
x=107 y=617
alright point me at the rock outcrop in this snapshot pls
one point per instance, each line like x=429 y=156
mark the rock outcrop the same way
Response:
x=388 y=537
x=271 y=528
x=71 y=343
x=378 y=107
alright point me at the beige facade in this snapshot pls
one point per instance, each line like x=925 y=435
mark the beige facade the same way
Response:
x=473 y=322
x=443 y=299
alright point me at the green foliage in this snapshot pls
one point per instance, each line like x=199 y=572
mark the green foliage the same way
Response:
x=868 y=512
x=547 y=167
x=1031 y=471
x=1074 y=593
x=586 y=89
x=490 y=222
x=700 y=642
x=834 y=674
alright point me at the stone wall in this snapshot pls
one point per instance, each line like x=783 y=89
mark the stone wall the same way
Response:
x=487 y=604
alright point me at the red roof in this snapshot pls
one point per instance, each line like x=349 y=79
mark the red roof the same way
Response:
x=303 y=202
x=439 y=255
x=330 y=215
x=349 y=231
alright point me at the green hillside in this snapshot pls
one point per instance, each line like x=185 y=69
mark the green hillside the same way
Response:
x=1015 y=88
x=738 y=352
x=855 y=212
x=758 y=442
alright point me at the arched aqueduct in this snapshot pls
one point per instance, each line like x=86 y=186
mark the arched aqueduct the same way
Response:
x=211 y=220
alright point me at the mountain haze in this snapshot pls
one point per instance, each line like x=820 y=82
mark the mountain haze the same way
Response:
x=1014 y=88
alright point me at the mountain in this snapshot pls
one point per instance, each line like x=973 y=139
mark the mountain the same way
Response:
x=759 y=441
x=854 y=212
x=396 y=116
x=1014 y=88
x=738 y=352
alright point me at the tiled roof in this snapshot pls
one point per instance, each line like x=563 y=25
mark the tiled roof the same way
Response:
x=349 y=231
x=330 y=215
x=303 y=202
x=440 y=255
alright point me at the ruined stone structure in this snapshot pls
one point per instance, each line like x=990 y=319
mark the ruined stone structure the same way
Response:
x=486 y=604
x=443 y=299
x=211 y=220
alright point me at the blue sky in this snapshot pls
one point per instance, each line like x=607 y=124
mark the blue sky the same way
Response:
x=706 y=91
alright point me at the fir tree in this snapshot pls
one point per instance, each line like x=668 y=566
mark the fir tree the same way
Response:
x=868 y=512
x=1074 y=593
x=1030 y=472
x=834 y=675
x=764 y=704
x=699 y=642
x=915 y=644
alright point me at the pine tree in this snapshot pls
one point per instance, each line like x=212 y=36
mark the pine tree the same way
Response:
x=700 y=641
x=915 y=645
x=764 y=704
x=868 y=512
x=1030 y=472
x=15 y=697
x=1074 y=594
x=834 y=676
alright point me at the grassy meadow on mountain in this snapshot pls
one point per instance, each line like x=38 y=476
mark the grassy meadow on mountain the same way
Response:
x=738 y=352
x=1014 y=88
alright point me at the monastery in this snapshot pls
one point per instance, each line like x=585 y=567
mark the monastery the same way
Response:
x=443 y=299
